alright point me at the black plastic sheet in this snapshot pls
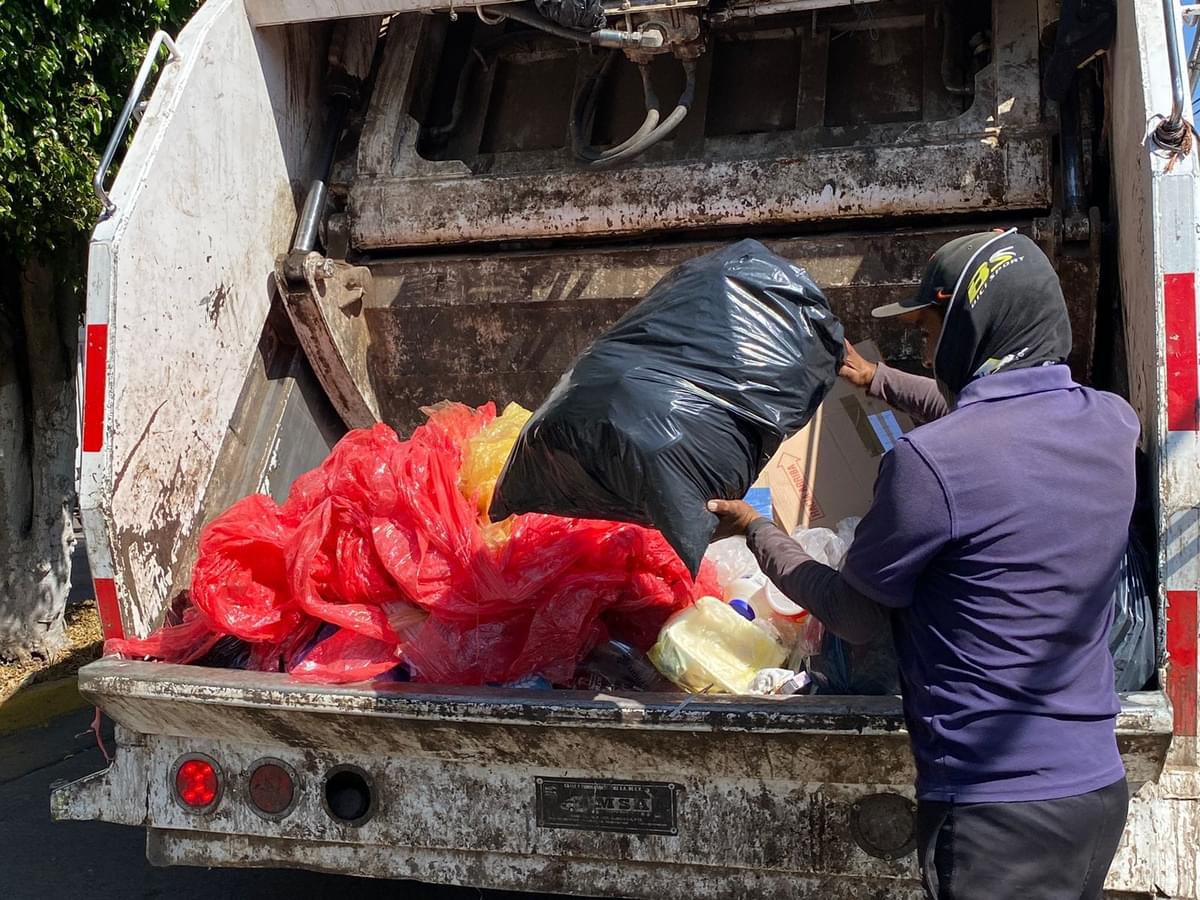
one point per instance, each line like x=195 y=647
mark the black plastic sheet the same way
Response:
x=1131 y=638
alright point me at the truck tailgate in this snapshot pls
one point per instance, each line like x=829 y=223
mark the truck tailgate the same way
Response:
x=530 y=789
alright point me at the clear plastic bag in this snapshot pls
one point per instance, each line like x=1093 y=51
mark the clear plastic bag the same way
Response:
x=734 y=561
x=836 y=666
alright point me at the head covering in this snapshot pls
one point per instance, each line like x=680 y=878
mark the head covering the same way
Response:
x=1005 y=311
x=1003 y=304
x=942 y=273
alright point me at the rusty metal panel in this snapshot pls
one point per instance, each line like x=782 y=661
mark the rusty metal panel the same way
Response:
x=324 y=300
x=505 y=326
x=962 y=177
x=994 y=156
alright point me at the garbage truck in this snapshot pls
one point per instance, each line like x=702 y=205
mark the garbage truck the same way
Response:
x=334 y=214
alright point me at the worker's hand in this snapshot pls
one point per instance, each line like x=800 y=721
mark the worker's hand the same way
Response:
x=856 y=370
x=735 y=517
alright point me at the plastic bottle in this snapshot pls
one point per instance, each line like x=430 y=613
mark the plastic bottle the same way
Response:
x=741 y=588
x=710 y=646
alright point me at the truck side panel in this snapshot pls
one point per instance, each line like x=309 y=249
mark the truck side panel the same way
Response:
x=206 y=195
x=1156 y=203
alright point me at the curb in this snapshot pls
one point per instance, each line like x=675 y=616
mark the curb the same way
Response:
x=38 y=704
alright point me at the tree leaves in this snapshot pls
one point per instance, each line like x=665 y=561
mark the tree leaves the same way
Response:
x=65 y=66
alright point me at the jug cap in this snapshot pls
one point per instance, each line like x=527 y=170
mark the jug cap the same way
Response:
x=744 y=609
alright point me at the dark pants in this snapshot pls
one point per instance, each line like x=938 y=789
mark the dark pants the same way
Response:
x=1033 y=850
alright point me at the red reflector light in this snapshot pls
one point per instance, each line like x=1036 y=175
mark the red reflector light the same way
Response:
x=197 y=784
x=272 y=788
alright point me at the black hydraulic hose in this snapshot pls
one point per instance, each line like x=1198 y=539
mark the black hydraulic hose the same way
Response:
x=480 y=57
x=1071 y=151
x=967 y=86
x=583 y=107
x=524 y=15
x=458 y=106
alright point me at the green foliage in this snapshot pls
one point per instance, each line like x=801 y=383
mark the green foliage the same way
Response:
x=65 y=67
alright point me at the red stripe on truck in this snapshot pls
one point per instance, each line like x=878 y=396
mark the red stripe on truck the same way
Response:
x=95 y=375
x=1179 y=301
x=106 y=605
x=1181 y=664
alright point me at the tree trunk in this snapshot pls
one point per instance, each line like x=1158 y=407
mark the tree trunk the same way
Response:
x=39 y=318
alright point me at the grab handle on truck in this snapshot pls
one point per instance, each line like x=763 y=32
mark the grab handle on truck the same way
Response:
x=131 y=107
x=1172 y=131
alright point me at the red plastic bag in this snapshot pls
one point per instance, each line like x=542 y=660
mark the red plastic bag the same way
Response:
x=240 y=581
x=379 y=542
x=184 y=642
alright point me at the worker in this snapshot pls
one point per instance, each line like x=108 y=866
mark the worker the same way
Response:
x=991 y=549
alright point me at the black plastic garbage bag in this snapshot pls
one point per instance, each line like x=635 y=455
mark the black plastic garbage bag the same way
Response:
x=865 y=670
x=1131 y=638
x=586 y=15
x=684 y=400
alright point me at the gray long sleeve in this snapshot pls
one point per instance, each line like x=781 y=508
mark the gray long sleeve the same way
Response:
x=913 y=394
x=821 y=590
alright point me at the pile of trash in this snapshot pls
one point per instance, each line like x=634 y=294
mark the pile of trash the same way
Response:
x=382 y=564
x=755 y=640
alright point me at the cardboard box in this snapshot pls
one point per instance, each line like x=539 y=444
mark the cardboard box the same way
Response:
x=826 y=472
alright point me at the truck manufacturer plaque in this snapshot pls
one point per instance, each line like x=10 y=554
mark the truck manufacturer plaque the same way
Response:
x=597 y=804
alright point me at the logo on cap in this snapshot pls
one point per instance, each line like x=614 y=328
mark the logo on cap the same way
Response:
x=989 y=269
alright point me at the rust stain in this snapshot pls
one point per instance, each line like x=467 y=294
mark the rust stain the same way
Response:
x=214 y=302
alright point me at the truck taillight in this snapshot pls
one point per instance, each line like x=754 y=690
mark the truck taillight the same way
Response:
x=197 y=783
x=272 y=788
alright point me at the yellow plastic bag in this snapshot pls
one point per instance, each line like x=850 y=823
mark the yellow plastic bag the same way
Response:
x=486 y=454
x=710 y=647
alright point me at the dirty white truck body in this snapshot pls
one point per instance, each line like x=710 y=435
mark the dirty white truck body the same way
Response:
x=472 y=262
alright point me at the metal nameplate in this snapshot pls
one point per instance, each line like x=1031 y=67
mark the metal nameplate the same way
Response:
x=600 y=804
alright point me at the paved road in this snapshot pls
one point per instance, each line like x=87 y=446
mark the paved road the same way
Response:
x=96 y=861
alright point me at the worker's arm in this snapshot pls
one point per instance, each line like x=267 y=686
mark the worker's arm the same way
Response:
x=908 y=524
x=850 y=615
x=914 y=394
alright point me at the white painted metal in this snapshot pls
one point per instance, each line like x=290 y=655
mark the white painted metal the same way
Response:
x=767 y=786
x=1157 y=235
x=279 y=12
x=182 y=275
x=1157 y=206
x=157 y=42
